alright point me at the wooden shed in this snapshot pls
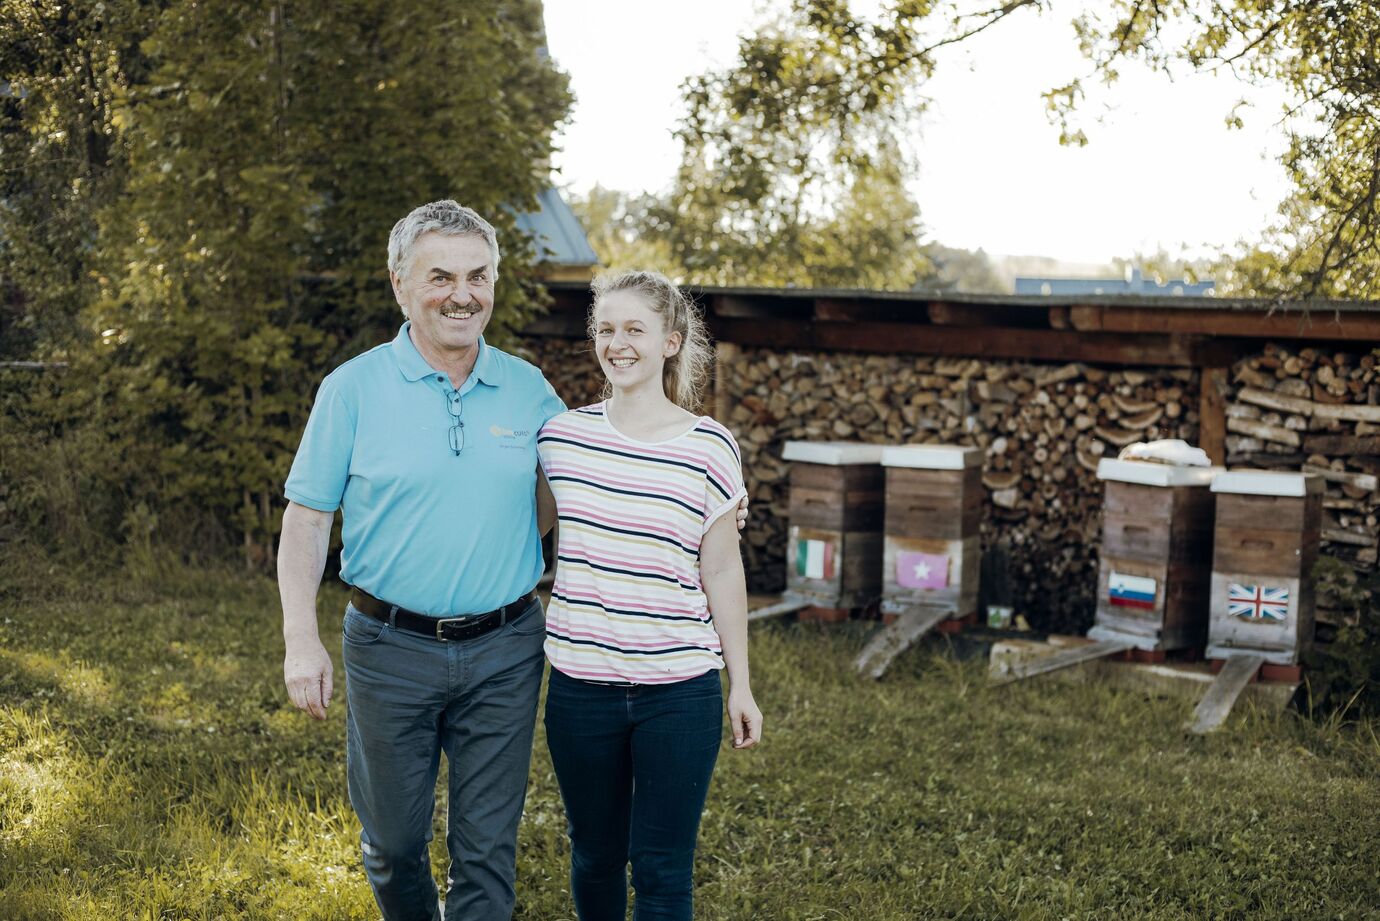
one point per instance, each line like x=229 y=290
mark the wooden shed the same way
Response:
x=1045 y=386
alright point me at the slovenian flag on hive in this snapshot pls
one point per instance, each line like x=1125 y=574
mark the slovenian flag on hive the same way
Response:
x=1258 y=602
x=1125 y=591
x=814 y=559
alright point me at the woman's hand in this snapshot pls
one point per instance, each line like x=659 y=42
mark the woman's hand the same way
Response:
x=744 y=718
x=721 y=573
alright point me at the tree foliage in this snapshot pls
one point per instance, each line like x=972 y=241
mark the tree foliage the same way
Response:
x=1327 y=242
x=622 y=231
x=869 y=239
x=815 y=110
x=795 y=156
x=776 y=145
x=254 y=158
x=62 y=67
x=964 y=270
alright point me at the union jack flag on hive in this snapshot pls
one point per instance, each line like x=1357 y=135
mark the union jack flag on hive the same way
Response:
x=1258 y=602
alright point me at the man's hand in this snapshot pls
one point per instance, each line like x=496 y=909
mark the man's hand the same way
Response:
x=307 y=674
x=742 y=512
x=301 y=559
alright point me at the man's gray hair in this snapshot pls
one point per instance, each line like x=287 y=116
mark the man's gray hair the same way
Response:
x=446 y=217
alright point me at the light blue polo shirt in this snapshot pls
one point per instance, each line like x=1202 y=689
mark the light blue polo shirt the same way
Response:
x=425 y=529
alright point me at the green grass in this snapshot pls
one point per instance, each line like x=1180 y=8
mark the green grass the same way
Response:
x=152 y=768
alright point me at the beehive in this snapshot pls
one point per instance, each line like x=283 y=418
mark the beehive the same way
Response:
x=834 y=542
x=1156 y=558
x=932 y=552
x=1264 y=548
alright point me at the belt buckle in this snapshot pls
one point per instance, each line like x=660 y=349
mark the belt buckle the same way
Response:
x=440 y=624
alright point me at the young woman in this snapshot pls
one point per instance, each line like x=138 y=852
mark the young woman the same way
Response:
x=648 y=604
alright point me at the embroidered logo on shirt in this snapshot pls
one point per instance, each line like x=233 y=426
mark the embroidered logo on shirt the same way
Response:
x=510 y=438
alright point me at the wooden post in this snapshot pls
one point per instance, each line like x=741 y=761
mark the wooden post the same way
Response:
x=1212 y=710
x=1063 y=658
x=889 y=642
x=1212 y=414
x=789 y=604
x=725 y=353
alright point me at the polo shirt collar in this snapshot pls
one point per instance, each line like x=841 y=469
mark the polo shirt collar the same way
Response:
x=486 y=368
x=414 y=367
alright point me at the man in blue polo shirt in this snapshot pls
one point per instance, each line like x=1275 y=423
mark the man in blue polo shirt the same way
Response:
x=427 y=445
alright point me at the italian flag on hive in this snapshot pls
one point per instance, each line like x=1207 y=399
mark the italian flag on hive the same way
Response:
x=814 y=559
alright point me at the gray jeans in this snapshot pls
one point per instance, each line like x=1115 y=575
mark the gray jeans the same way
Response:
x=409 y=698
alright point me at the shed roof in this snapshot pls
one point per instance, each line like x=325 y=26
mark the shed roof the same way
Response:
x=557 y=233
x=1114 y=329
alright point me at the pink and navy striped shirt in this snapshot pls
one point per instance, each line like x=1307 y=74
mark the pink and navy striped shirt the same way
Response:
x=627 y=604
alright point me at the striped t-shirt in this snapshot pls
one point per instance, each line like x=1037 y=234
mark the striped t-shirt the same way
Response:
x=627 y=604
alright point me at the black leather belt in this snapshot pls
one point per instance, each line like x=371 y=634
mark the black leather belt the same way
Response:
x=441 y=628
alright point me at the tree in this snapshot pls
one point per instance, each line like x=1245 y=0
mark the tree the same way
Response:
x=965 y=270
x=785 y=150
x=871 y=240
x=1163 y=267
x=264 y=152
x=62 y=67
x=1327 y=242
x=622 y=232
x=794 y=164
x=794 y=158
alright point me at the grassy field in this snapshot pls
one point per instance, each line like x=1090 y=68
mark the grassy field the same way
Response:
x=152 y=768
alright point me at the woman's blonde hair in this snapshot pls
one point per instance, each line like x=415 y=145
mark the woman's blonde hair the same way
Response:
x=685 y=373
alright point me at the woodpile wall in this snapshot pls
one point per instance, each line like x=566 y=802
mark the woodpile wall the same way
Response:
x=1317 y=411
x=1042 y=428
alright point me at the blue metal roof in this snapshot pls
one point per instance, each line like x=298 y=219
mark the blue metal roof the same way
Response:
x=558 y=235
x=1136 y=283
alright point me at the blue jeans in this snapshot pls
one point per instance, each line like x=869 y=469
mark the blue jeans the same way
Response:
x=633 y=764
x=409 y=698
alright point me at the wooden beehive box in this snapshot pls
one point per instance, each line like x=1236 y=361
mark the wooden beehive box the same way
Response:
x=834 y=544
x=932 y=551
x=1264 y=548
x=1156 y=560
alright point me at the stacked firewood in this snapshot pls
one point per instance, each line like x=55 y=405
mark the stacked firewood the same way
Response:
x=569 y=366
x=1042 y=427
x=1317 y=411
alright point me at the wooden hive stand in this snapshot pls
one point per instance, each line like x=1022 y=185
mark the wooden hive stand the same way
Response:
x=1261 y=612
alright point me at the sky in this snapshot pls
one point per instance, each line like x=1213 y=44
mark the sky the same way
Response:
x=1161 y=171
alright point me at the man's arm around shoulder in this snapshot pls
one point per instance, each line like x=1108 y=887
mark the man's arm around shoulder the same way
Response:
x=301 y=561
